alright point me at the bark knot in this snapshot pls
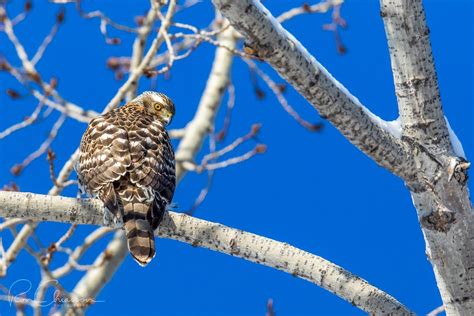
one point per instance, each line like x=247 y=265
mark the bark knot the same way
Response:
x=439 y=220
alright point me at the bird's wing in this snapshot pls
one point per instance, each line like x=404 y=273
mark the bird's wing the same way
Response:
x=104 y=153
x=152 y=157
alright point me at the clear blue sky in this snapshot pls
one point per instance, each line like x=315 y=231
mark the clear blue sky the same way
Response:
x=314 y=191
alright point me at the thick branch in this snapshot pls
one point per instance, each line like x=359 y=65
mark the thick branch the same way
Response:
x=414 y=74
x=216 y=237
x=296 y=65
x=442 y=201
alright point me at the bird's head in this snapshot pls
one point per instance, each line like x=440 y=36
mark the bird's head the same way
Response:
x=158 y=104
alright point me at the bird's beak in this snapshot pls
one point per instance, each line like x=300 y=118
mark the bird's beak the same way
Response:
x=168 y=116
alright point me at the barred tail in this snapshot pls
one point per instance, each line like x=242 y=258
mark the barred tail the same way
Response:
x=136 y=220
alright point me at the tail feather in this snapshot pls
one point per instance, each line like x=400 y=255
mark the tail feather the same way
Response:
x=140 y=240
x=137 y=224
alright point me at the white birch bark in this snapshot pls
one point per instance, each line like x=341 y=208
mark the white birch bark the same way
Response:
x=201 y=233
x=330 y=98
x=443 y=205
x=423 y=157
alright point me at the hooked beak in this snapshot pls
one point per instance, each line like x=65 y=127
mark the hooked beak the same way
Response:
x=168 y=116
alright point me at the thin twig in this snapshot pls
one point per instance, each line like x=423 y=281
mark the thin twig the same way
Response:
x=228 y=114
x=321 y=7
x=18 y=168
x=276 y=89
x=25 y=123
x=49 y=38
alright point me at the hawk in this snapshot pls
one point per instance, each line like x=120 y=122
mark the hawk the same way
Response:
x=126 y=159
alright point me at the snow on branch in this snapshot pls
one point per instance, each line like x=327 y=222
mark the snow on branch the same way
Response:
x=273 y=44
x=217 y=237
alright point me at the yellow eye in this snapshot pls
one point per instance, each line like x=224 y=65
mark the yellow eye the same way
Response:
x=157 y=106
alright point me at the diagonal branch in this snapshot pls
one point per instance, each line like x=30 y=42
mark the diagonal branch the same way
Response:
x=295 y=64
x=145 y=61
x=217 y=237
x=139 y=46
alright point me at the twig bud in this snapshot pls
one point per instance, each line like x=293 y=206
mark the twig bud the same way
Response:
x=60 y=16
x=260 y=148
x=16 y=170
x=256 y=128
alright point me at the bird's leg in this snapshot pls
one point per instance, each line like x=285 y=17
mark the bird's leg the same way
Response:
x=80 y=189
x=118 y=220
x=108 y=217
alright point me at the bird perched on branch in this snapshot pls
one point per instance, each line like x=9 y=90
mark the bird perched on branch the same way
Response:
x=126 y=159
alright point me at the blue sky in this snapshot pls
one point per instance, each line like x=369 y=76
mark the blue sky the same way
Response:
x=313 y=190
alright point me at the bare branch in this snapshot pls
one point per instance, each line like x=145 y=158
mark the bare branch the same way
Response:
x=416 y=82
x=443 y=205
x=26 y=122
x=139 y=46
x=284 y=103
x=11 y=222
x=322 y=7
x=144 y=63
x=48 y=39
x=217 y=237
x=291 y=60
x=18 y=168
x=438 y=310
x=228 y=114
x=74 y=257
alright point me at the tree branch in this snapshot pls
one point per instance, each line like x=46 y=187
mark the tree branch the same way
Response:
x=423 y=157
x=139 y=46
x=414 y=74
x=202 y=123
x=442 y=200
x=272 y=43
x=137 y=72
x=216 y=237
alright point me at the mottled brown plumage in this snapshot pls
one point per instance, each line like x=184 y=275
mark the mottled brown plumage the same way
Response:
x=127 y=160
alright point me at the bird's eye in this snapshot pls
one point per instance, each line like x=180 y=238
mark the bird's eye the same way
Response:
x=157 y=106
